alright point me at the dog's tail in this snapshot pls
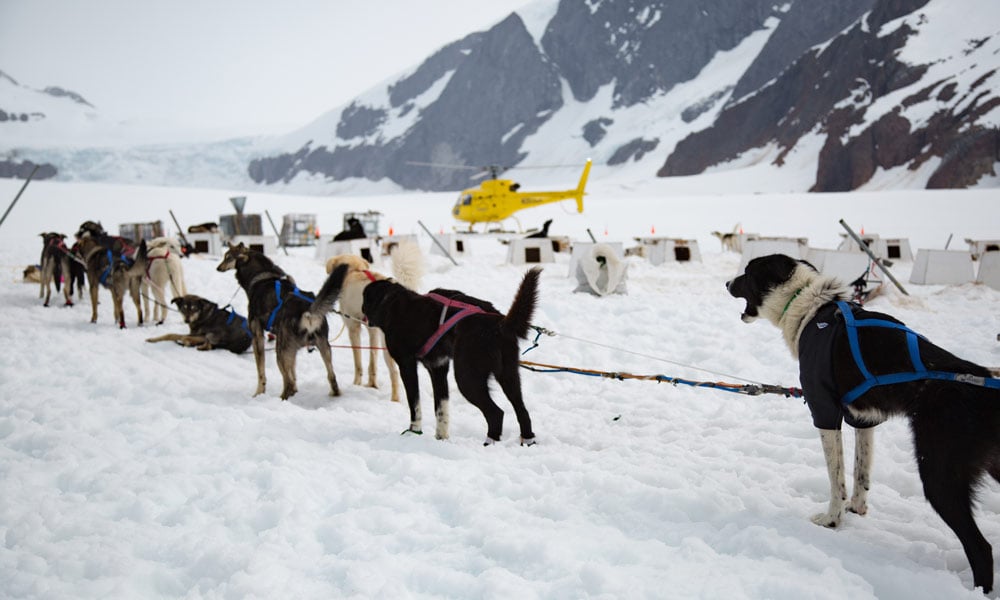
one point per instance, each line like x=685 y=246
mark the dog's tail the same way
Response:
x=522 y=309
x=407 y=264
x=313 y=318
x=140 y=260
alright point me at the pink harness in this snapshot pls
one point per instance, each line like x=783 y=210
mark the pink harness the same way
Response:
x=445 y=326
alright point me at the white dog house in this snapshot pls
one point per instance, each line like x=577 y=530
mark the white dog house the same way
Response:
x=457 y=244
x=206 y=242
x=989 y=270
x=889 y=248
x=363 y=247
x=764 y=246
x=599 y=268
x=659 y=250
x=845 y=266
x=979 y=248
x=530 y=251
x=266 y=244
x=942 y=267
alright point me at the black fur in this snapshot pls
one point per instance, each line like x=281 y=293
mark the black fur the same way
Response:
x=210 y=326
x=354 y=231
x=298 y=323
x=543 y=232
x=480 y=345
x=956 y=426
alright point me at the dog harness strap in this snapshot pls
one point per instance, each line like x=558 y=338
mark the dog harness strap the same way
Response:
x=111 y=261
x=369 y=275
x=277 y=294
x=274 y=313
x=919 y=372
x=445 y=326
x=233 y=316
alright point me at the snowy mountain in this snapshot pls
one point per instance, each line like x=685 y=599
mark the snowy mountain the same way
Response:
x=859 y=94
x=687 y=86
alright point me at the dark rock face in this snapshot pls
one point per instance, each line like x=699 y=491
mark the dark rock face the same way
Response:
x=644 y=46
x=833 y=89
x=13 y=169
x=500 y=90
x=634 y=150
x=594 y=131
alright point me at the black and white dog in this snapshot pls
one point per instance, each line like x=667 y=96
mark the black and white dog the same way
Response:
x=446 y=326
x=864 y=367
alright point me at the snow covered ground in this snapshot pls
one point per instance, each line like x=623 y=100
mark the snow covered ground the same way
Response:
x=135 y=470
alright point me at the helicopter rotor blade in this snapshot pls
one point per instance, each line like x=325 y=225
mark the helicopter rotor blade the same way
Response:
x=442 y=166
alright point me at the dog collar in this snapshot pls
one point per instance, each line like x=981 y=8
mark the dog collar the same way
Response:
x=792 y=299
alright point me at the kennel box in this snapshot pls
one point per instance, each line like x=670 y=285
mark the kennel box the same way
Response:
x=369 y=221
x=243 y=225
x=456 y=244
x=206 y=242
x=265 y=244
x=366 y=248
x=141 y=231
x=847 y=266
x=659 y=250
x=989 y=270
x=298 y=229
x=980 y=247
x=942 y=267
x=530 y=251
x=888 y=248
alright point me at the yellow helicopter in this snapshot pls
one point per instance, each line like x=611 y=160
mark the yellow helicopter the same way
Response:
x=497 y=199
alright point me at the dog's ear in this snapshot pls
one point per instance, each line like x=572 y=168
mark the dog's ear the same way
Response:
x=177 y=300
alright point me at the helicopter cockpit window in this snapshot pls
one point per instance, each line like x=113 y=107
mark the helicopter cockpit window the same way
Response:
x=465 y=200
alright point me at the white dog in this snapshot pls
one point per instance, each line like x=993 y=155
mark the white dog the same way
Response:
x=407 y=269
x=163 y=267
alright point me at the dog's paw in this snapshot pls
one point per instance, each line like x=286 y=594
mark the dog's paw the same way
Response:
x=411 y=431
x=858 y=508
x=528 y=442
x=489 y=441
x=826 y=520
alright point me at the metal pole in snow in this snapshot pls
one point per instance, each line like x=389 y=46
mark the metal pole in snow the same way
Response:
x=871 y=255
x=437 y=243
x=18 y=196
x=280 y=245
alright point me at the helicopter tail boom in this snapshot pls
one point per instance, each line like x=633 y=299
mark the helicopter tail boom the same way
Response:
x=579 y=188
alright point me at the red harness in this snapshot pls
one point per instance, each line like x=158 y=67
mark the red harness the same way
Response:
x=369 y=275
x=149 y=263
x=445 y=326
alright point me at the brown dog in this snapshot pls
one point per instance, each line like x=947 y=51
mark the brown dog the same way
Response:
x=275 y=303
x=211 y=327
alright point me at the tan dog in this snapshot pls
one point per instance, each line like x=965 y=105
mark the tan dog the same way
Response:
x=407 y=266
x=163 y=266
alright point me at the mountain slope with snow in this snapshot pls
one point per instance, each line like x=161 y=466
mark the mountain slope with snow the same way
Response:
x=869 y=94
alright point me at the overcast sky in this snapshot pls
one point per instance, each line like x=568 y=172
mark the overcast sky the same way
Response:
x=238 y=66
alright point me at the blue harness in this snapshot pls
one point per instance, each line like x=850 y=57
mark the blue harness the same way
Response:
x=243 y=321
x=919 y=370
x=111 y=263
x=281 y=301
